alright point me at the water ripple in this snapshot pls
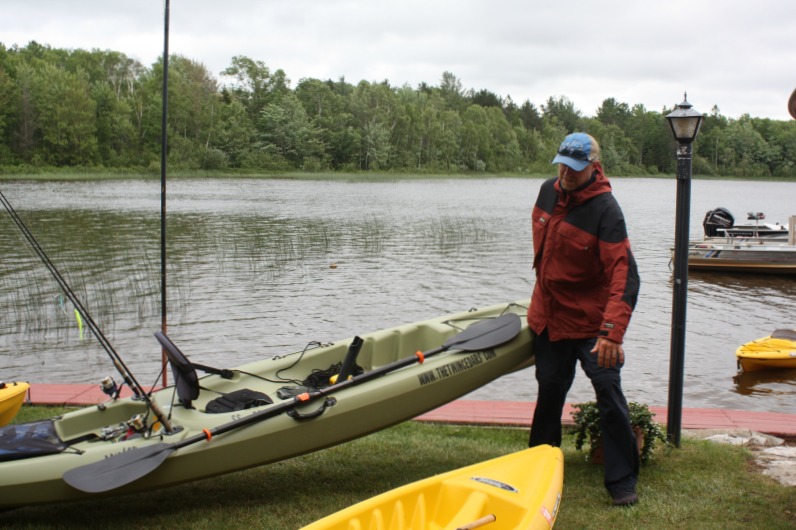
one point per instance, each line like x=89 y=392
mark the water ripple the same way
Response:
x=262 y=267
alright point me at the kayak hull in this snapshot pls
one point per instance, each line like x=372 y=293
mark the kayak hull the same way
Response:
x=345 y=415
x=518 y=490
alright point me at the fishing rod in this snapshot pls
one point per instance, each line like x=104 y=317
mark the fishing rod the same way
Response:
x=118 y=363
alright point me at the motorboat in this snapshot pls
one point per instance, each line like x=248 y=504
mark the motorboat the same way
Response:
x=720 y=223
x=754 y=248
x=754 y=256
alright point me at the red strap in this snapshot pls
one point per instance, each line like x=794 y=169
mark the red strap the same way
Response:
x=208 y=434
x=420 y=357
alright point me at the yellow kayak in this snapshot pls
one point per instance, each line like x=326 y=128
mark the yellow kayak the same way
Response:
x=778 y=350
x=11 y=397
x=520 y=490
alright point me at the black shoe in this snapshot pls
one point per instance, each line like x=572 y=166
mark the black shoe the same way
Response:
x=625 y=498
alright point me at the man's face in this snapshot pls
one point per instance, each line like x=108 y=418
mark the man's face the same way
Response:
x=570 y=179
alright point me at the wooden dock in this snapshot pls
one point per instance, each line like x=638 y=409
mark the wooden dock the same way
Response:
x=476 y=412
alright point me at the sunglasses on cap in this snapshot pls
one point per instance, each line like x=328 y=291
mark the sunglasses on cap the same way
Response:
x=574 y=150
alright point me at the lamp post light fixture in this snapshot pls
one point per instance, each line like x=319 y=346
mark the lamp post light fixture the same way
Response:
x=685 y=122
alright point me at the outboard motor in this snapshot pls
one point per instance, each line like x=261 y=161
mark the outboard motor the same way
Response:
x=715 y=219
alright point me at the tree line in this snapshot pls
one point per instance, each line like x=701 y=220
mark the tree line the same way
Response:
x=102 y=109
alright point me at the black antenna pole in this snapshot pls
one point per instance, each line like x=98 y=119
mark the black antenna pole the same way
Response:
x=163 y=157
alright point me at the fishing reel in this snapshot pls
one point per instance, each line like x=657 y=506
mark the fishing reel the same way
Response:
x=135 y=426
x=109 y=386
x=112 y=432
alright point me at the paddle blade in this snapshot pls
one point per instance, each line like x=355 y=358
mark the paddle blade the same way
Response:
x=118 y=470
x=486 y=334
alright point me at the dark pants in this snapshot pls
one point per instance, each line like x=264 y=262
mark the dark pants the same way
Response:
x=555 y=372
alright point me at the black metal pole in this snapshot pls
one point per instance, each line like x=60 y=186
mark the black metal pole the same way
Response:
x=677 y=357
x=163 y=155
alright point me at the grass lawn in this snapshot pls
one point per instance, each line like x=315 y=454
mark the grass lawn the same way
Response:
x=701 y=485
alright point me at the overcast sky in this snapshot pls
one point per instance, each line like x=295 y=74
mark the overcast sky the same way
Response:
x=738 y=55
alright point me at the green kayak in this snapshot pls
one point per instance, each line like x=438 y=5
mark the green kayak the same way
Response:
x=261 y=412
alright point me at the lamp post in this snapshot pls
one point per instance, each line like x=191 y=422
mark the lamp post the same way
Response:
x=685 y=122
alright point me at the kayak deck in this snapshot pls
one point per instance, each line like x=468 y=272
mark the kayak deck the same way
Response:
x=97 y=433
x=518 y=490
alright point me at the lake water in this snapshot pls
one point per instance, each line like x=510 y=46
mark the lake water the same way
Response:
x=259 y=267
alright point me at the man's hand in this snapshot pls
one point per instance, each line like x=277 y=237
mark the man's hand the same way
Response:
x=609 y=353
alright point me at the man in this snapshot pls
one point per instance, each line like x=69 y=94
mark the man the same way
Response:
x=586 y=288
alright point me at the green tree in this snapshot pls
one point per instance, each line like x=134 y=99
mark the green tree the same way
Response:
x=551 y=135
x=24 y=138
x=446 y=138
x=288 y=133
x=504 y=147
x=612 y=112
x=782 y=138
x=746 y=153
x=530 y=116
x=67 y=117
x=652 y=137
x=375 y=109
x=8 y=109
x=561 y=111
x=618 y=152
x=115 y=131
x=452 y=92
x=327 y=103
x=80 y=108
x=193 y=114
x=237 y=136
x=472 y=141
x=406 y=134
x=435 y=131
x=255 y=85
x=485 y=98
x=375 y=145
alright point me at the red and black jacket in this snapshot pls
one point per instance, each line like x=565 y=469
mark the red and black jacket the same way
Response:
x=586 y=277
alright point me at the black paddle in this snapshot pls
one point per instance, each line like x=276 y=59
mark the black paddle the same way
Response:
x=123 y=468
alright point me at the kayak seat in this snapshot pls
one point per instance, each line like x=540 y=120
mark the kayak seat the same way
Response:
x=787 y=334
x=184 y=371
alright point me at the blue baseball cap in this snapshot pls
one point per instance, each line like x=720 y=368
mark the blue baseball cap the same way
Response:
x=577 y=151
